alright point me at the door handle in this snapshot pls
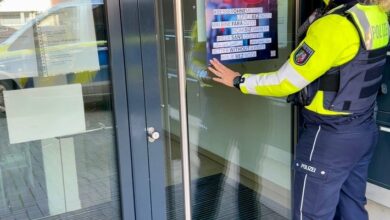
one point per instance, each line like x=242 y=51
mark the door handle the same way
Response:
x=153 y=135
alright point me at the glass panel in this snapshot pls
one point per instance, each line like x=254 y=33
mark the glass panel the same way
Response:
x=57 y=143
x=240 y=145
x=171 y=120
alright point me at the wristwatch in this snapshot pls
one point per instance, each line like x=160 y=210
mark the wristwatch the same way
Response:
x=237 y=81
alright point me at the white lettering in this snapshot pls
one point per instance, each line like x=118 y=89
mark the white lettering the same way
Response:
x=261 y=41
x=238 y=49
x=308 y=168
x=232 y=24
x=228 y=44
x=248 y=16
x=246 y=30
x=233 y=11
x=237 y=56
x=239 y=36
x=380 y=31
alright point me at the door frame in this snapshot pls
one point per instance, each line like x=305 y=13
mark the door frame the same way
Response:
x=120 y=108
x=137 y=104
x=134 y=38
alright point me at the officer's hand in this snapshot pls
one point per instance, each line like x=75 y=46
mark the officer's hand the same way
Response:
x=225 y=75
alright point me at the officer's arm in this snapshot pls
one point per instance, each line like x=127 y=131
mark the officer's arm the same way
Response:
x=326 y=45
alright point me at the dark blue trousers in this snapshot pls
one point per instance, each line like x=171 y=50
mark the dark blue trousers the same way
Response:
x=330 y=168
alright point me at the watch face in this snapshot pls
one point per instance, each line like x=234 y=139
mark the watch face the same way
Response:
x=237 y=80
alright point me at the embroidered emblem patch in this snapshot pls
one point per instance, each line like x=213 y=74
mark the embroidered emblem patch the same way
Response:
x=303 y=54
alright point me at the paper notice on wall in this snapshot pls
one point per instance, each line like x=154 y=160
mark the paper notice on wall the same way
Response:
x=60 y=42
x=67 y=42
x=242 y=30
x=41 y=113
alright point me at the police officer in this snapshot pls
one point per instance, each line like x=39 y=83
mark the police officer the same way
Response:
x=337 y=69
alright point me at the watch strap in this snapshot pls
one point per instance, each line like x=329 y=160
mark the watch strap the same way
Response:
x=237 y=81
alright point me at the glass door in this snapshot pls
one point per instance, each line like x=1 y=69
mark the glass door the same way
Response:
x=58 y=151
x=240 y=146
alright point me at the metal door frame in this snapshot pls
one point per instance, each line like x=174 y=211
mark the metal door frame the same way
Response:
x=133 y=45
x=141 y=84
x=120 y=108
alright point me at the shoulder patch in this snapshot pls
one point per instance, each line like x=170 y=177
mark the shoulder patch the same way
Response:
x=303 y=54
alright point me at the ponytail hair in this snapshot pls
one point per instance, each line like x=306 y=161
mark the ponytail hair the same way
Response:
x=384 y=4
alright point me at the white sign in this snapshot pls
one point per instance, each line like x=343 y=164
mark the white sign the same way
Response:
x=41 y=113
x=240 y=31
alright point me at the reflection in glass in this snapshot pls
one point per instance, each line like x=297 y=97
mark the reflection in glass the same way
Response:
x=54 y=75
x=240 y=145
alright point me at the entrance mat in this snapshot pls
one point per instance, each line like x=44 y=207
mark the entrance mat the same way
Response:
x=218 y=197
x=104 y=211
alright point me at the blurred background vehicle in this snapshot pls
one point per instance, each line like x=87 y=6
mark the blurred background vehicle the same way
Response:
x=66 y=44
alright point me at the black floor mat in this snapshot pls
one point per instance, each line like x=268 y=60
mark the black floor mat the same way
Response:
x=216 y=197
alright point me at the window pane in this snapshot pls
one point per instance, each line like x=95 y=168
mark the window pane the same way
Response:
x=57 y=142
